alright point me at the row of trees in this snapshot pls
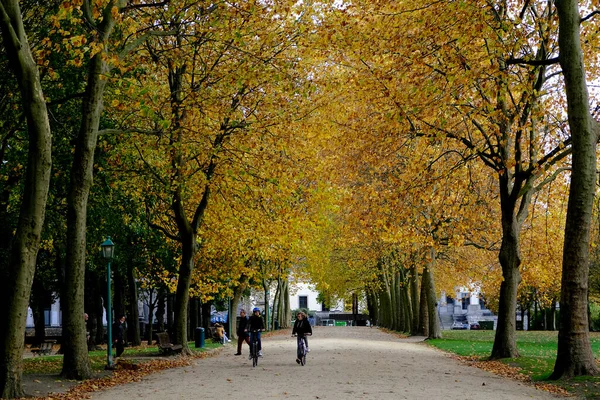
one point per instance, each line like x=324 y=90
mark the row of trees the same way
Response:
x=364 y=145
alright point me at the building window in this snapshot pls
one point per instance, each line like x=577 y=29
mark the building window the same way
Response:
x=303 y=301
x=465 y=302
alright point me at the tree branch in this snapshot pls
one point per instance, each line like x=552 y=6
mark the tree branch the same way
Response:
x=590 y=16
x=6 y=21
x=522 y=61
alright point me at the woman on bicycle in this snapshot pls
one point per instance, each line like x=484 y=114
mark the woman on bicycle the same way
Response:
x=302 y=328
x=255 y=325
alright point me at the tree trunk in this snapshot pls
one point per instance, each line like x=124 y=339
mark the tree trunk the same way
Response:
x=160 y=309
x=188 y=247
x=414 y=294
x=206 y=308
x=287 y=310
x=505 y=345
x=575 y=357
x=25 y=247
x=435 y=331
x=118 y=288
x=423 y=328
x=149 y=330
x=235 y=303
x=193 y=317
x=76 y=363
x=133 y=327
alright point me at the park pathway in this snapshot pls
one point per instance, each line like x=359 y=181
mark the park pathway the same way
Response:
x=344 y=363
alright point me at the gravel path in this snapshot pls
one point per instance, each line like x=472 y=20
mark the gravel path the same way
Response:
x=344 y=362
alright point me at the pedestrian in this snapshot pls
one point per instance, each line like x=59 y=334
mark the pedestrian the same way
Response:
x=242 y=332
x=119 y=335
x=255 y=326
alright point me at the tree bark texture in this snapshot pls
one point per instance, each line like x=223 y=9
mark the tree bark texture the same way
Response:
x=575 y=357
x=435 y=331
x=25 y=247
x=76 y=363
x=414 y=294
x=423 y=328
x=133 y=326
x=505 y=345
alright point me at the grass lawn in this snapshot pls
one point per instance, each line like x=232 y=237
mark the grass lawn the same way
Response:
x=538 y=355
x=53 y=364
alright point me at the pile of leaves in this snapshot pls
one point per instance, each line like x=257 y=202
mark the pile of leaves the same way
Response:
x=126 y=373
x=508 y=371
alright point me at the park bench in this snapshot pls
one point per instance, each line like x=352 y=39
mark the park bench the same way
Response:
x=165 y=346
x=44 y=349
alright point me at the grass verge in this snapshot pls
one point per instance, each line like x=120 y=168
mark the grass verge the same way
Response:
x=538 y=355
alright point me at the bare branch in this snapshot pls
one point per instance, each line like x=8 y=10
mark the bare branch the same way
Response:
x=590 y=16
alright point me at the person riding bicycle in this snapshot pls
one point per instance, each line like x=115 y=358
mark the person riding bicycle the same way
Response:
x=255 y=325
x=302 y=328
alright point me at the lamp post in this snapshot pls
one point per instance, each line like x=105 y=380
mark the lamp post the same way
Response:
x=108 y=250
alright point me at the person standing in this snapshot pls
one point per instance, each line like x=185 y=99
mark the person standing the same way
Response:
x=119 y=335
x=242 y=332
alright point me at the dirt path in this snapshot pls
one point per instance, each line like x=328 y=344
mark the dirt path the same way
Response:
x=344 y=362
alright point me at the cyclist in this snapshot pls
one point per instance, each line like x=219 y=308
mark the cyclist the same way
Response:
x=302 y=328
x=255 y=325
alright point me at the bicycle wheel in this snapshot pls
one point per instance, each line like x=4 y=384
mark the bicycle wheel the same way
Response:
x=255 y=354
x=303 y=357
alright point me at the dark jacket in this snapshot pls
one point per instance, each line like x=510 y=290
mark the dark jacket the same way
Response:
x=243 y=325
x=255 y=323
x=118 y=331
x=302 y=327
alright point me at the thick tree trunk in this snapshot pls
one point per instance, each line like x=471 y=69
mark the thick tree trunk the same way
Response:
x=575 y=357
x=193 y=317
x=435 y=331
x=235 y=303
x=414 y=294
x=133 y=326
x=423 y=328
x=206 y=308
x=286 y=320
x=118 y=289
x=188 y=242
x=505 y=345
x=25 y=247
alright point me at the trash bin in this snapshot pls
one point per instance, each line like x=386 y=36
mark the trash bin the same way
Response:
x=199 y=337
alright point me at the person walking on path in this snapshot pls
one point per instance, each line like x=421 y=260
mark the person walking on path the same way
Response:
x=242 y=332
x=119 y=332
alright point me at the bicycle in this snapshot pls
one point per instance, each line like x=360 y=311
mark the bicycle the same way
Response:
x=254 y=347
x=302 y=349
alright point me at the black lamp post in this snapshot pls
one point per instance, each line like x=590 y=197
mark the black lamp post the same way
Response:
x=108 y=251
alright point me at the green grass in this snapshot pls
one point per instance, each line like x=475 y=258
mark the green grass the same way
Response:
x=53 y=364
x=537 y=350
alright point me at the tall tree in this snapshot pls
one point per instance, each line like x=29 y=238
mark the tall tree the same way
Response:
x=31 y=218
x=574 y=356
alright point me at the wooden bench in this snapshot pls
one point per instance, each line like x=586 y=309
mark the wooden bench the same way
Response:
x=165 y=346
x=44 y=349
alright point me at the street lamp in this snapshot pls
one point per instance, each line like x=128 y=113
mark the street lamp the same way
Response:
x=108 y=251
